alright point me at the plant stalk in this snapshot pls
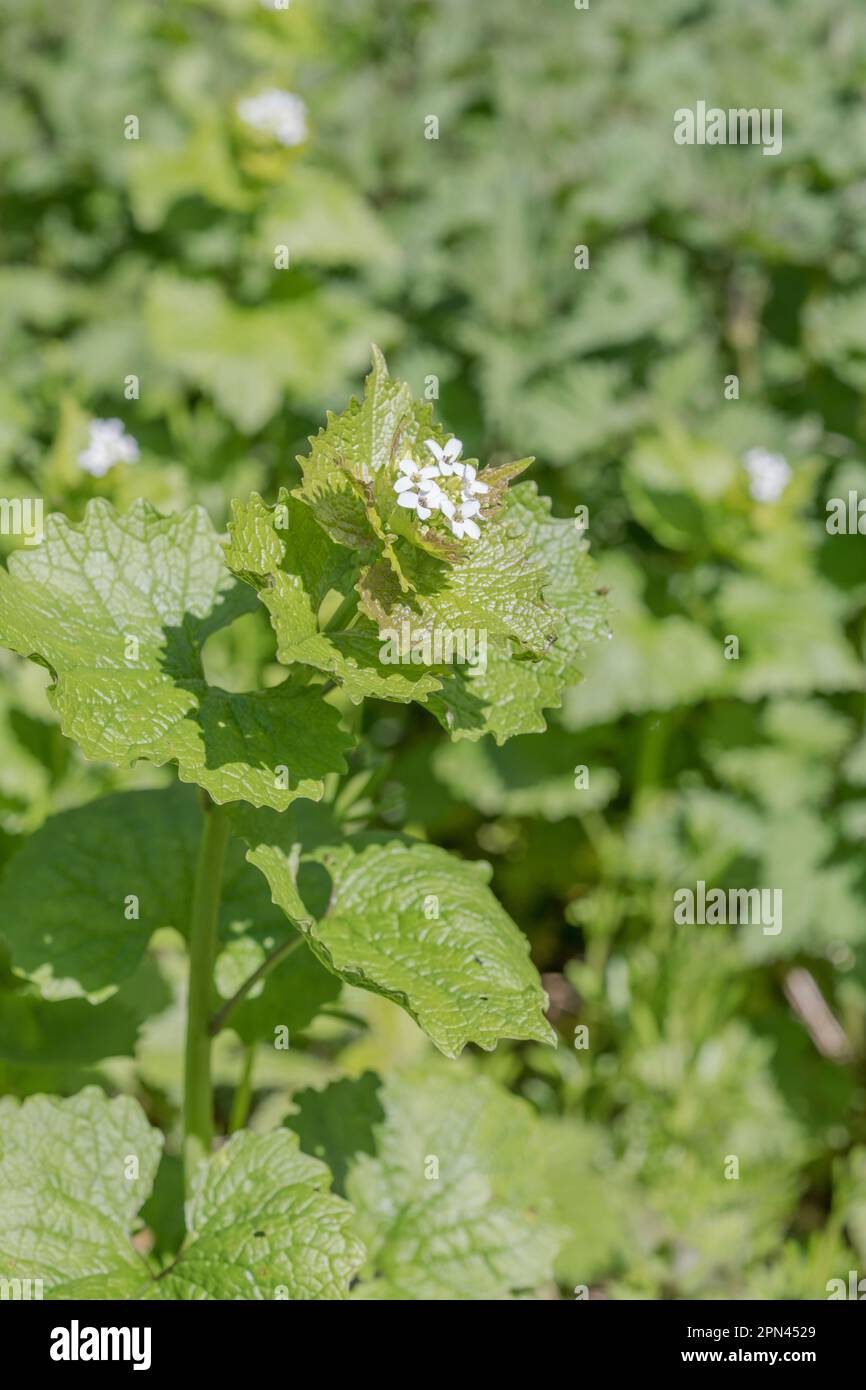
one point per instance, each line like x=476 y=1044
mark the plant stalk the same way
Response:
x=198 y=1096
x=243 y=1091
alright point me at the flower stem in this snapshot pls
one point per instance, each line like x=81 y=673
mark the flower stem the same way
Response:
x=198 y=1097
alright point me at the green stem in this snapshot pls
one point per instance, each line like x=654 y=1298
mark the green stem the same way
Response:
x=243 y=1091
x=198 y=1097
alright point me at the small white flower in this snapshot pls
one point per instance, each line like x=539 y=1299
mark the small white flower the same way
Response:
x=435 y=498
x=108 y=443
x=414 y=503
x=465 y=526
x=274 y=112
x=446 y=456
x=470 y=485
x=769 y=474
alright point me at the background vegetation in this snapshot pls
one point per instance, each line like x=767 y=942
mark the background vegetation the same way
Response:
x=156 y=257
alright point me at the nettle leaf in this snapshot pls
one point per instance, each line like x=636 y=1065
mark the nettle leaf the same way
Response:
x=485 y=629
x=406 y=920
x=354 y=463
x=448 y=1202
x=261 y=1223
x=356 y=452
x=571 y=586
x=118 y=608
x=496 y=588
x=284 y=553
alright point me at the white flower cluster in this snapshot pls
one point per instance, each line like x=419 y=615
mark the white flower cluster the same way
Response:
x=107 y=444
x=274 y=112
x=769 y=474
x=421 y=489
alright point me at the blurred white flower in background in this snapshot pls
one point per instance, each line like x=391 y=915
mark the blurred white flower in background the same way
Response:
x=274 y=112
x=769 y=474
x=108 y=444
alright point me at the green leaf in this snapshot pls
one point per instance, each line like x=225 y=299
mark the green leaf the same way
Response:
x=160 y=175
x=290 y=996
x=323 y=220
x=249 y=357
x=406 y=920
x=252 y=927
x=338 y=1123
x=262 y=1224
x=652 y=663
x=260 y=1221
x=503 y=695
x=350 y=472
x=495 y=588
x=450 y=1206
x=36 y=1032
x=119 y=608
x=65 y=896
x=355 y=448
x=284 y=553
x=571 y=584
x=529 y=777
x=68 y=1207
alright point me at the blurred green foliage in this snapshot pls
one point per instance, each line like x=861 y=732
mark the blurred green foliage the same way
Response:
x=155 y=257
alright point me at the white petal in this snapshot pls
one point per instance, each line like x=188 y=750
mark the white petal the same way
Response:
x=408 y=499
x=434 y=449
x=409 y=467
x=402 y=484
x=470 y=508
x=459 y=469
x=469 y=473
x=446 y=506
x=431 y=471
x=453 y=449
x=457 y=527
x=478 y=488
x=471 y=530
x=424 y=512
